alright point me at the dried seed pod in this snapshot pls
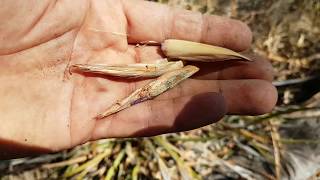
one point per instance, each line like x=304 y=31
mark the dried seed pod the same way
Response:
x=193 y=51
x=130 y=70
x=152 y=90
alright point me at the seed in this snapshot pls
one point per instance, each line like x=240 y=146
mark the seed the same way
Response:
x=152 y=90
x=192 y=51
x=169 y=73
x=130 y=70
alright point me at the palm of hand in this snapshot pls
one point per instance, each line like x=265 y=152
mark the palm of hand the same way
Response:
x=50 y=109
x=42 y=107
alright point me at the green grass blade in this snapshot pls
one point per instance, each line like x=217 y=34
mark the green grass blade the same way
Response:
x=93 y=162
x=111 y=172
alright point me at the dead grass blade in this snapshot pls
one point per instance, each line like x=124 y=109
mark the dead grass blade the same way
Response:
x=243 y=172
x=254 y=136
x=129 y=70
x=276 y=146
x=185 y=171
x=164 y=170
x=66 y=162
x=152 y=90
x=90 y=164
x=135 y=171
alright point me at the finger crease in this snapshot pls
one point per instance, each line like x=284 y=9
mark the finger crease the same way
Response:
x=137 y=54
x=170 y=22
x=151 y=116
x=220 y=88
x=204 y=28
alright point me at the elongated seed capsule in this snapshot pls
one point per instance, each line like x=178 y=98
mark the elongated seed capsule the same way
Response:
x=193 y=51
x=152 y=90
x=130 y=70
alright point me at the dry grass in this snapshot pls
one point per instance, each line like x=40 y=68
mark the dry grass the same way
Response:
x=283 y=143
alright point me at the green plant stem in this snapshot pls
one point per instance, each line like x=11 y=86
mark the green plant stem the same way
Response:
x=93 y=162
x=111 y=172
x=184 y=169
x=135 y=172
x=281 y=112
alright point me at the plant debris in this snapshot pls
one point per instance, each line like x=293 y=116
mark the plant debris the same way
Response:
x=152 y=90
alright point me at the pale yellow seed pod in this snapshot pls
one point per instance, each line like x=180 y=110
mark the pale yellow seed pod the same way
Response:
x=193 y=51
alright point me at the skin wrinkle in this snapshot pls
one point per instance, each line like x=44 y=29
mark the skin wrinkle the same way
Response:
x=137 y=56
x=129 y=89
x=204 y=28
x=151 y=118
x=174 y=103
x=220 y=91
x=200 y=27
x=67 y=71
x=224 y=29
x=55 y=36
x=127 y=24
x=151 y=115
x=220 y=73
x=33 y=25
x=113 y=118
x=27 y=69
x=187 y=22
x=86 y=97
x=73 y=86
x=224 y=34
x=172 y=26
x=73 y=93
x=105 y=32
x=179 y=89
x=112 y=45
x=83 y=81
x=167 y=24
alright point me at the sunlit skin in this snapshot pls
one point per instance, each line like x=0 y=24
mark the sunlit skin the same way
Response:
x=42 y=106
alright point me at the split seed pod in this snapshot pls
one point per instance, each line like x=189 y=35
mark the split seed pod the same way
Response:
x=130 y=70
x=192 y=51
x=152 y=90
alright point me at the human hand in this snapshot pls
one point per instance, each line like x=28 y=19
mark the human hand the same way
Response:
x=43 y=110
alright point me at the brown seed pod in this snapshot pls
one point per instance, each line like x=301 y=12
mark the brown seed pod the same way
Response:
x=152 y=90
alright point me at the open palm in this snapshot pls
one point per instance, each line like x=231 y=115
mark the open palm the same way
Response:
x=43 y=108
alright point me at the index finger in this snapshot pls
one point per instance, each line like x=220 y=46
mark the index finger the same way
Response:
x=149 y=21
